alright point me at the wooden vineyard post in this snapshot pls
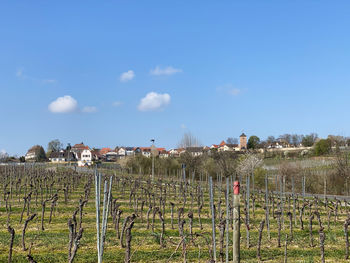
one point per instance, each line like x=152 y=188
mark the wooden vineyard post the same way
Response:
x=212 y=215
x=236 y=223
x=227 y=215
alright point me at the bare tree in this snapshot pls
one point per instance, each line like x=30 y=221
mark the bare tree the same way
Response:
x=270 y=139
x=54 y=146
x=3 y=155
x=297 y=139
x=231 y=140
x=249 y=163
x=226 y=162
x=189 y=140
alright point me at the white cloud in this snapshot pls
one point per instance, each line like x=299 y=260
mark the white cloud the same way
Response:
x=183 y=126
x=153 y=101
x=117 y=103
x=165 y=71
x=89 y=109
x=63 y=104
x=126 y=76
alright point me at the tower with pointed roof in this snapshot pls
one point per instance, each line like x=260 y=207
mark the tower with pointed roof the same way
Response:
x=243 y=142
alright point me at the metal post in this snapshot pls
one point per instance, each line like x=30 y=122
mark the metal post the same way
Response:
x=103 y=217
x=97 y=199
x=101 y=235
x=303 y=188
x=152 y=167
x=212 y=215
x=267 y=207
x=294 y=202
x=247 y=206
x=324 y=186
x=236 y=223
x=282 y=181
x=184 y=176
x=105 y=213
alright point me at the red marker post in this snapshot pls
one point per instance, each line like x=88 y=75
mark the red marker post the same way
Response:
x=236 y=222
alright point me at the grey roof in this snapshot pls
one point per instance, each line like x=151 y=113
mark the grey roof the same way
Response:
x=194 y=149
x=129 y=148
x=231 y=145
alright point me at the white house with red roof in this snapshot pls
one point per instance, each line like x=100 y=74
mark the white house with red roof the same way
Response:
x=223 y=147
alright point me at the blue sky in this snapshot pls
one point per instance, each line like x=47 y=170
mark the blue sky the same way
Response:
x=129 y=71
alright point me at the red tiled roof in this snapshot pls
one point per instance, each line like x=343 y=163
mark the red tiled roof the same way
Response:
x=80 y=146
x=105 y=150
x=222 y=143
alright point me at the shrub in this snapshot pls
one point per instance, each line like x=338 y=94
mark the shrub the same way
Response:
x=323 y=146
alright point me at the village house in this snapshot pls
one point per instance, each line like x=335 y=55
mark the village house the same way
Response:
x=61 y=156
x=223 y=147
x=137 y=150
x=162 y=152
x=174 y=153
x=195 y=151
x=77 y=149
x=105 y=150
x=111 y=156
x=275 y=145
x=146 y=151
x=86 y=156
x=214 y=146
x=32 y=153
x=121 y=152
x=129 y=151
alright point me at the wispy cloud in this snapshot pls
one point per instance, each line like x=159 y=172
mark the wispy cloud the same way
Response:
x=49 y=81
x=234 y=91
x=183 y=126
x=117 y=103
x=21 y=75
x=158 y=71
x=89 y=109
x=65 y=104
x=126 y=76
x=154 y=101
x=229 y=89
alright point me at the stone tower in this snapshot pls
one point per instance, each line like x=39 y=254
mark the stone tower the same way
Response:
x=243 y=142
